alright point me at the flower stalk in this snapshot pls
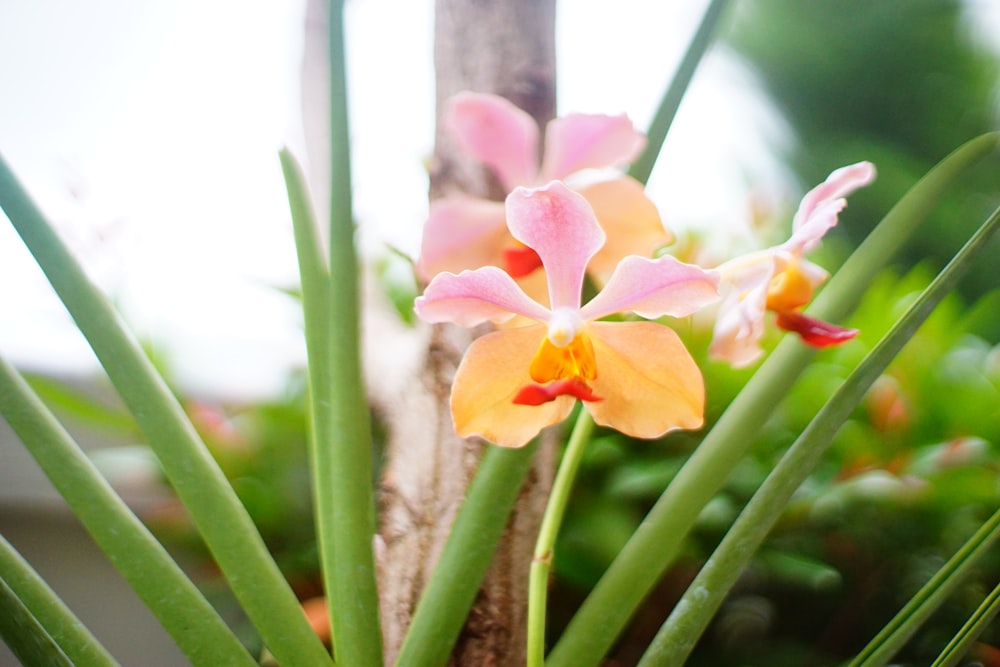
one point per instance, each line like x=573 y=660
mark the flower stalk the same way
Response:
x=555 y=509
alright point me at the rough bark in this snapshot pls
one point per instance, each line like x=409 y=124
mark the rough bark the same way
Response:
x=505 y=48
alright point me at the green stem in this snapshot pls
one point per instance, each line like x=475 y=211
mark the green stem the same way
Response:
x=674 y=95
x=656 y=542
x=466 y=556
x=144 y=563
x=678 y=635
x=541 y=563
x=344 y=460
x=199 y=483
x=52 y=614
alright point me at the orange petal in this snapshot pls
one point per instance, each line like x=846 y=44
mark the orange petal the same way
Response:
x=491 y=375
x=629 y=219
x=647 y=379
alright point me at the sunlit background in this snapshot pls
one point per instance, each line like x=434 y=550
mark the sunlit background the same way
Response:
x=149 y=131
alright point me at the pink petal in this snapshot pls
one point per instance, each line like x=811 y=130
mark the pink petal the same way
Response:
x=808 y=235
x=462 y=233
x=589 y=141
x=819 y=208
x=497 y=133
x=739 y=324
x=560 y=226
x=653 y=288
x=474 y=297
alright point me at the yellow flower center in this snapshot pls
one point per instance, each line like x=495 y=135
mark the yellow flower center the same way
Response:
x=574 y=361
x=789 y=290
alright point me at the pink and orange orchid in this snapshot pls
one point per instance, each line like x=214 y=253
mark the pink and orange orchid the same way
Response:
x=780 y=280
x=463 y=232
x=634 y=376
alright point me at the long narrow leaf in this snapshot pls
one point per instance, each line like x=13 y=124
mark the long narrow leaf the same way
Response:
x=962 y=642
x=315 y=281
x=144 y=563
x=678 y=635
x=200 y=484
x=674 y=95
x=931 y=596
x=656 y=542
x=24 y=635
x=58 y=621
x=346 y=457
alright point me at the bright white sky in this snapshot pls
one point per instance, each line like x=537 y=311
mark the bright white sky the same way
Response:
x=148 y=132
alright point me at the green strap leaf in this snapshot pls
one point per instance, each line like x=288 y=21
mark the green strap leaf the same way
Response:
x=25 y=636
x=57 y=620
x=133 y=550
x=962 y=642
x=344 y=459
x=931 y=596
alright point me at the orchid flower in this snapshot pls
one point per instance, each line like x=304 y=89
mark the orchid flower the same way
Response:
x=463 y=232
x=780 y=280
x=634 y=376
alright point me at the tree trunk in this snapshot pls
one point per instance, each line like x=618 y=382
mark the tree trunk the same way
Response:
x=505 y=48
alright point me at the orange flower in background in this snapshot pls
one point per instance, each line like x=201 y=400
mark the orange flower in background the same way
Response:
x=781 y=280
x=636 y=377
x=464 y=232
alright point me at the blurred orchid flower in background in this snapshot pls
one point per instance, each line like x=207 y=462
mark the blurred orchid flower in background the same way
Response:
x=636 y=377
x=464 y=232
x=780 y=280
